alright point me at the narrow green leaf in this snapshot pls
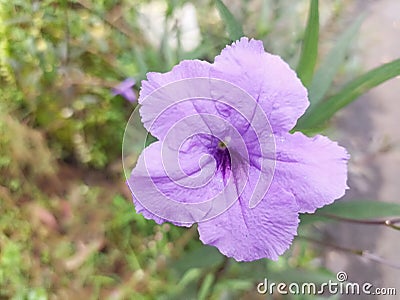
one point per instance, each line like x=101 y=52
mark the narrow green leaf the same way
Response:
x=309 y=49
x=206 y=287
x=233 y=27
x=355 y=209
x=189 y=276
x=329 y=67
x=326 y=109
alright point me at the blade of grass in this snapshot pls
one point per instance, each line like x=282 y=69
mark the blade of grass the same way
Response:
x=329 y=67
x=206 y=287
x=233 y=27
x=355 y=88
x=309 y=49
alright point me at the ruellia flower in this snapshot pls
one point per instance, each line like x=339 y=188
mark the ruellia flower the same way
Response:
x=225 y=159
x=125 y=89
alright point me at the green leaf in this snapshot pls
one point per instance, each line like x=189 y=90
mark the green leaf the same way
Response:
x=233 y=27
x=355 y=209
x=326 y=109
x=202 y=257
x=309 y=49
x=189 y=276
x=206 y=286
x=329 y=67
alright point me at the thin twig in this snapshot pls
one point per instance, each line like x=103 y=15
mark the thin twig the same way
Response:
x=362 y=253
x=112 y=22
x=388 y=222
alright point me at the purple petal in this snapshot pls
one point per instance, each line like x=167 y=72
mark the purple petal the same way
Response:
x=125 y=89
x=314 y=169
x=248 y=234
x=158 y=189
x=267 y=78
x=158 y=119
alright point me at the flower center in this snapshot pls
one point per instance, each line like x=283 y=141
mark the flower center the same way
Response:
x=221 y=145
x=223 y=158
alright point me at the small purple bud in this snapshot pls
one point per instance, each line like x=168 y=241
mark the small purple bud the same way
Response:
x=125 y=90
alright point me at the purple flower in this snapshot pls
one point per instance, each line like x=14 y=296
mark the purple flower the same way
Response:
x=125 y=90
x=225 y=158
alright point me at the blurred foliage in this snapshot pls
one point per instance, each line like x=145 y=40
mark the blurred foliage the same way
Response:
x=56 y=53
x=68 y=229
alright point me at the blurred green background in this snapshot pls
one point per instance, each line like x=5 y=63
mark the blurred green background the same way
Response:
x=68 y=229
